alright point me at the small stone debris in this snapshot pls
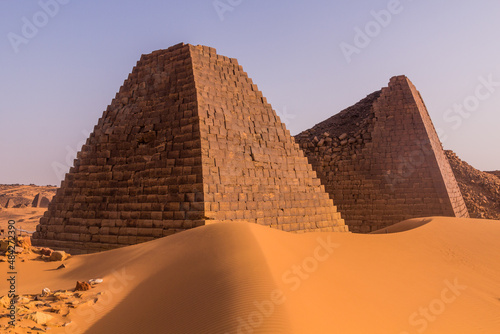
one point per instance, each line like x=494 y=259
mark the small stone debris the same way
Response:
x=56 y=309
x=82 y=286
x=40 y=317
x=46 y=292
x=23 y=300
x=5 y=301
x=480 y=190
x=95 y=281
x=58 y=256
x=46 y=252
x=62 y=266
x=23 y=242
x=61 y=295
x=78 y=294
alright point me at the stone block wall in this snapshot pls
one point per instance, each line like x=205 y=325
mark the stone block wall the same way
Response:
x=382 y=162
x=188 y=140
x=252 y=168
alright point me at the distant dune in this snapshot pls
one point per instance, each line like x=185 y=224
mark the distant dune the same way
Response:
x=22 y=197
x=24 y=194
x=438 y=275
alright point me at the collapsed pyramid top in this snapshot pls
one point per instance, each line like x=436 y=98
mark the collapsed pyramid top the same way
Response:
x=382 y=162
x=188 y=140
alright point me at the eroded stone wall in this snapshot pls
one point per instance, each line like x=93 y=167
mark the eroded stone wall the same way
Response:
x=253 y=169
x=188 y=140
x=387 y=168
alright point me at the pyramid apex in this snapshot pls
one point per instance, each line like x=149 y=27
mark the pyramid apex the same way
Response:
x=398 y=78
x=393 y=130
x=188 y=141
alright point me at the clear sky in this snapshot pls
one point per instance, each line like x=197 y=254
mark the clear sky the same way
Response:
x=62 y=62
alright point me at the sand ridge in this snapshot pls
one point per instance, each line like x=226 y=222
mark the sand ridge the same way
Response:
x=441 y=277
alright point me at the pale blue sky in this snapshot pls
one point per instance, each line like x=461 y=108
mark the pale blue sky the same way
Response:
x=54 y=89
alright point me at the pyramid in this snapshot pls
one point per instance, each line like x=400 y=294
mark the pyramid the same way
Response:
x=188 y=140
x=40 y=201
x=382 y=162
x=10 y=203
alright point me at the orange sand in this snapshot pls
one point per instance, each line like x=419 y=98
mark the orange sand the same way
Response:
x=26 y=218
x=443 y=276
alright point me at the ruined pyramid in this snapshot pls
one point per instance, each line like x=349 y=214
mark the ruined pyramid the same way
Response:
x=382 y=162
x=187 y=141
x=40 y=201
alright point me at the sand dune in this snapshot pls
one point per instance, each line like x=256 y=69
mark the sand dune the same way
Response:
x=440 y=277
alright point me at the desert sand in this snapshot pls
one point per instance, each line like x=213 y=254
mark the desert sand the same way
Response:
x=432 y=275
x=26 y=218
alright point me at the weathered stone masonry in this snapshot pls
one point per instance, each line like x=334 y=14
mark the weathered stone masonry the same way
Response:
x=188 y=140
x=382 y=162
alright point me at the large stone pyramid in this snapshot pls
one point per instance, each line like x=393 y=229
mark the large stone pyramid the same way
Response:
x=382 y=162
x=188 y=140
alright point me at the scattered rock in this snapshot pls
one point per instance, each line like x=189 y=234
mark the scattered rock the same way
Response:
x=56 y=309
x=343 y=136
x=95 y=281
x=38 y=329
x=89 y=302
x=5 y=301
x=34 y=304
x=78 y=294
x=61 y=295
x=62 y=266
x=46 y=251
x=45 y=292
x=10 y=203
x=4 y=245
x=23 y=300
x=480 y=190
x=24 y=242
x=58 y=256
x=82 y=286
x=496 y=173
x=40 y=317
x=73 y=304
